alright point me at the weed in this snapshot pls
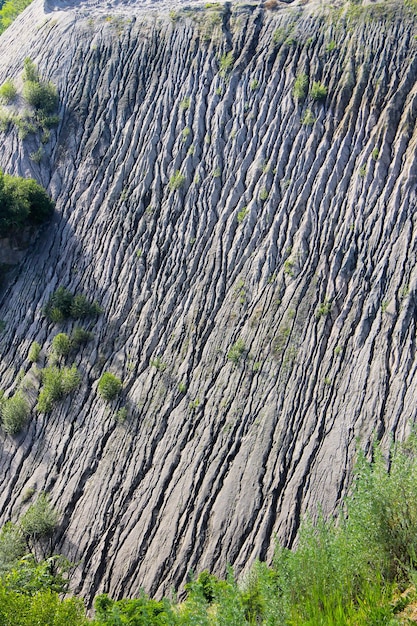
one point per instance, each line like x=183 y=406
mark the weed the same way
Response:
x=375 y=153
x=236 y=351
x=318 y=91
x=158 y=364
x=242 y=214
x=185 y=103
x=323 y=309
x=226 y=64
x=109 y=386
x=300 y=88
x=176 y=181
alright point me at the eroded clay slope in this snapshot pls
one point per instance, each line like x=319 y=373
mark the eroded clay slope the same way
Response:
x=294 y=240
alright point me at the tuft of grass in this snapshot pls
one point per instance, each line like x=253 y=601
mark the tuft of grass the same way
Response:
x=176 y=181
x=300 y=88
x=318 y=91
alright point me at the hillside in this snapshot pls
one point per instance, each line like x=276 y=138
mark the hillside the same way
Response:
x=250 y=240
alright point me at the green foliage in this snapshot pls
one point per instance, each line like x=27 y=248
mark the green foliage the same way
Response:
x=8 y=91
x=158 y=363
x=109 y=386
x=242 y=214
x=22 y=202
x=318 y=91
x=61 y=345
x=10 y=10
x=141 y=611
x=57 y=383
x=30 y=71
x=226 y=63
x=79 y=337
x=64 y=305
x=236 y=351
x=42 y=96
x=12 y=546
x=40 y=520
x=176 y=181
x=300 y=87
x=323 y=309
x=308 y=118
x=185 y=103
x=14 y=413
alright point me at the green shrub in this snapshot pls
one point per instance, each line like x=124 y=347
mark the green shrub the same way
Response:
x=34 y=352
x=56 y=384
x=30 y=71
x=10 y=10
x=61 y=345
x=14 y=412
x=22 y=202
x=226 y=63
x=63 y=305
x=176 y=181
x=236 y=351
x=300 y=87
x=109 y=386
x=308 y=118
x=242 y=214
x=8 y=91
x=40 y=520
x=323 y=309
x=79 y=337
x=318 y=91
x=42 y=96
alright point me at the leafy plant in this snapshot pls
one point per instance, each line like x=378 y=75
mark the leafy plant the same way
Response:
x=40 y=520
x=226 y=63
x=318 y=91
x=64 y=305
x=323 y=309
x=236 y=351
x=176 y=181
x=61 y=345
x=242 y=214
x=109 y=386
x=34 y=352
x=300 y=87
x=308 y=118
x=8 y=91
x=57 y=383
x=14 y=413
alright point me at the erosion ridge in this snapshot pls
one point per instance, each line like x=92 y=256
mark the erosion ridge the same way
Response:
x=290 y=239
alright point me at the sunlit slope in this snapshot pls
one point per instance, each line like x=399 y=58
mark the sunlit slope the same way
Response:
x=253 y=252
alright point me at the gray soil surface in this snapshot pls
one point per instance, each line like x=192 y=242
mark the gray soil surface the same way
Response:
x=290 y=240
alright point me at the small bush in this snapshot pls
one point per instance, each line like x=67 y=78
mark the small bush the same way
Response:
x=40 y=520
x=30 y=71
x=109 y=386
x=34 y=352
x=64 y=305
x=236 y=351
x=318 y=91
x=226 y=63
x=8 y=91
x=176 y=181
x=42 y=96
x=323 y=309
x=61 y=345
x=14 y=412
x=242 y=214
x=79 y=337
x=57 y=383
x=308 y=118
x=300 y=87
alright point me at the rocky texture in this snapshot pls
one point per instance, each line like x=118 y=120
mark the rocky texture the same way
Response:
x=293 y=243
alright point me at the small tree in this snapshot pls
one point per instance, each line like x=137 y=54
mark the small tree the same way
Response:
x=8 y=91
x=38 y=524
x=318 y=91
x=61 y=344
x=109 y=386
x=15 y=412
x=34 y=352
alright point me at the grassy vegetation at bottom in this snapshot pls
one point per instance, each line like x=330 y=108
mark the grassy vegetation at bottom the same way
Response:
x=358 y=569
